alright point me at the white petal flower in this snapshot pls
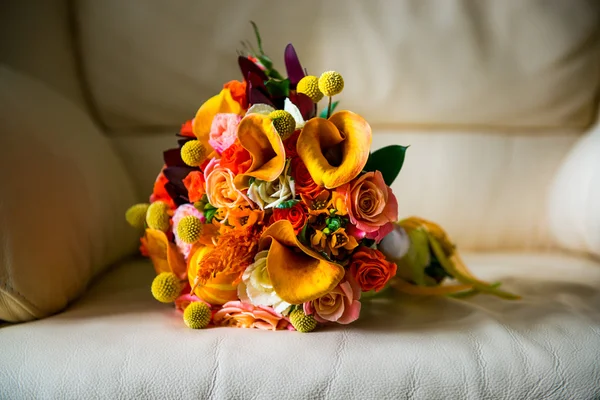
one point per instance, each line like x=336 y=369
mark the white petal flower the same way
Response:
x=260 y=108
x=272 y=194
x=395 y=244
x=292 y=109
x=256 y=287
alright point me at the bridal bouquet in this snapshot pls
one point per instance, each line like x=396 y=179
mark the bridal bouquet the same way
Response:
x=273 y=214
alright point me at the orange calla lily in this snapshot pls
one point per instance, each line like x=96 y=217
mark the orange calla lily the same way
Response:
x=164 y=254
x=221 y=103
x=257 y=134
x=298 y=274
x=335 y=150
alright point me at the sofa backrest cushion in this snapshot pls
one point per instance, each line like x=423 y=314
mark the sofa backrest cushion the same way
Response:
x=63 y=194
x=416 y=63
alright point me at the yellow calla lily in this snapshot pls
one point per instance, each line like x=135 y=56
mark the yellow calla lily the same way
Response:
x=298 y=274
x=164 y=255
x=257 y=134
x=335 y=150
x=221 y=103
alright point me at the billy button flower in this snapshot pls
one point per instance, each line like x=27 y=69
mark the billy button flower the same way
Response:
x=166 y=287
x=284 y=123
x=193 y=153
x=330 y=83
x=309 y=85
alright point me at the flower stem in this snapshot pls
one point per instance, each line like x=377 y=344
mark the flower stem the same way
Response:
x=329 y=107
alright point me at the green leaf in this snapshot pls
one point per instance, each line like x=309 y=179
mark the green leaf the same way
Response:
x=210 y=214
x=278 y=88
x=302 y=235
x=258 y=39
x=388 y=160
x=323 y=113
x=288 y=203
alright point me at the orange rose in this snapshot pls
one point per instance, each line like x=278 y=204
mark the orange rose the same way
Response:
x=187 y=130
x=304 y=182
x=236 y=158
x=238 y=92
x=296 y=215
x=371 y=269
x=159 y=193
x=194 y=183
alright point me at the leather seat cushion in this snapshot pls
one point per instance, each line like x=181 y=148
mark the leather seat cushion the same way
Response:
x=118 y=342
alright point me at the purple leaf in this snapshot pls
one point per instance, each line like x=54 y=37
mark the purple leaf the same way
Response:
x=248 y=66
x=304 y=104
x=292 y=65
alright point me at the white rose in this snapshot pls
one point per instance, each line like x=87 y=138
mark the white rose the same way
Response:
x=271 y=194
x=256 y=287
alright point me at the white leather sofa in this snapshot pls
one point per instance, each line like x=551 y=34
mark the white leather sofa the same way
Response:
x=498 y=100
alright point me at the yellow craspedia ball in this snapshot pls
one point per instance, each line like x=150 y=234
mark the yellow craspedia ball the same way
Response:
x=284 y=123
x=193 y=153
x=197 y=315
x=136 y=215
x=157 y=216
x=302 y=322
x=309 y=85
x=166 y=287
x=331 y=83
x=189 y=229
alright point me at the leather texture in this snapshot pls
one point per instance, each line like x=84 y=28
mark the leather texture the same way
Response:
x=422 y=63
x=118 y=342
x=63 y=195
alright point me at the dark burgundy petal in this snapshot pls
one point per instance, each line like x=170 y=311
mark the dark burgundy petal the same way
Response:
x=177 y=174
x=293 y=66
x=172 y=158
x=258 y=97
x=248 y=66
x=304 y=104
x=256 y=81
x=177 y=197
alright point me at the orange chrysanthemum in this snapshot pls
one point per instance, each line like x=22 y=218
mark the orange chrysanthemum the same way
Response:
x=235 y=250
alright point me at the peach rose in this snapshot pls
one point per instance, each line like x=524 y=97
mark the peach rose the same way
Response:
x=220 y=189
x=370 y=269
x=341 y=305
x=245 y=315
x=223 y=131
x=370 y=203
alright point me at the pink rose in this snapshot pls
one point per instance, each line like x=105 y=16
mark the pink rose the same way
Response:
x=341 y=305
x=245 y=315
x=378 y=235
x=223 y=131
x=371 y=205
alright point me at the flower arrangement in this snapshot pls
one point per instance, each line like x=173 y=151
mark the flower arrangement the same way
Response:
x=269 y=215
